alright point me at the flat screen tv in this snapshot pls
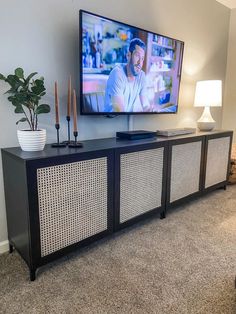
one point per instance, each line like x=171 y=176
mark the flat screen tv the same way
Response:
x=127 y=70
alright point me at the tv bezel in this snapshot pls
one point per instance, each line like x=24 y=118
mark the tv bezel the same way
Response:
x=81 y=11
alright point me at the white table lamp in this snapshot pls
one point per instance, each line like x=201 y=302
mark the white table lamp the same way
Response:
x=208 y=94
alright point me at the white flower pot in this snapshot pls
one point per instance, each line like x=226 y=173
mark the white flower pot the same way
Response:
x=31 y=140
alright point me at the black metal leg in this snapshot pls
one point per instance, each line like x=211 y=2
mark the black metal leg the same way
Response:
x=223 y=187
x=10 y=248
x=163 y=214
x=32 y=274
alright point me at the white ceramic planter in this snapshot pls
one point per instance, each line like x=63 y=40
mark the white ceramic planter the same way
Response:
x=31 y=140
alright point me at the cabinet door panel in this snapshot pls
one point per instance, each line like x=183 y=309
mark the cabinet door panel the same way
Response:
x=217 y=160
x=72 y=202
x=141 y=176
x=185 y=169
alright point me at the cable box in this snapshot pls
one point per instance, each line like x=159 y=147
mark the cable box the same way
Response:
x=135 y=135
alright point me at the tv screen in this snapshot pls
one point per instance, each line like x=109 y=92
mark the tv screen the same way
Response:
x=127 y=70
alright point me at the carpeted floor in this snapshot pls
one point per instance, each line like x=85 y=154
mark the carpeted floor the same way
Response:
x=185 y=263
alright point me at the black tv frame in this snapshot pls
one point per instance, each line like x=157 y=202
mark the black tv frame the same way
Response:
x=112 y=114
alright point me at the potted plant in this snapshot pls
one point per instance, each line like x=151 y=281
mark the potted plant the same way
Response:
x=25 y=94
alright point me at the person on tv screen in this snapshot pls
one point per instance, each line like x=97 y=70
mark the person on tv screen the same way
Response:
x=126 y=86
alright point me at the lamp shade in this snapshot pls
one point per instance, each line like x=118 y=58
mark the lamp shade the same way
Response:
x=208 y=94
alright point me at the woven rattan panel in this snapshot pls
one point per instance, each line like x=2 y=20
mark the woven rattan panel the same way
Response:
x=140 y=182
x=217 y=160
x=72 y=203
x=185 y=170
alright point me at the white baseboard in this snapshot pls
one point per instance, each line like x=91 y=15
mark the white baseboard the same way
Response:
x=4 y=247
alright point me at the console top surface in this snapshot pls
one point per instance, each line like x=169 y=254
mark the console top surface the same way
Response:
x=101 y=145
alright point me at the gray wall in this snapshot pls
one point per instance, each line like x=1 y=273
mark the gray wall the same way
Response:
x=43 y=36
x=229 y=109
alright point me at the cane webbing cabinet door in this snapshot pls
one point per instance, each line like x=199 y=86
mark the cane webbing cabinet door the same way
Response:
x=185 y=161
x=218 y=148
x=140 y=182
x=72 y=203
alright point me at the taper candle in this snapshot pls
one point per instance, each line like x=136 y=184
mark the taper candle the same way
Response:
x=56 y=104
x=69 y=98
x=75 y=111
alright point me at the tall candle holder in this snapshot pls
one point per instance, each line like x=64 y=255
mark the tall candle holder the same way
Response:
x=75 y=143
x=68 y=127
x=58 y=144
x=68 y=131
x=68 y=112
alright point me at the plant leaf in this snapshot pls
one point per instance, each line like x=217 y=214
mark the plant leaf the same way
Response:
x=10 y=91
x=21 y=120
x=30 y=76
x=44 y=108
x=13 y=81
x=38 y=89
x=13 y=100
x=19 y=73
x=19 y=109
x=2 y=77
x=21 y=97
x=39 y=82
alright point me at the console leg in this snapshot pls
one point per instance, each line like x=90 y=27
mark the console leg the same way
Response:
x=10 y=248
x=32 y=274
x=163 y=215
x=223 y=187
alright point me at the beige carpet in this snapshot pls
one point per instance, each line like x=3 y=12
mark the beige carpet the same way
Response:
x=185 y=263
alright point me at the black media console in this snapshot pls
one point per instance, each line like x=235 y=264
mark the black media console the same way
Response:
x=60 y=199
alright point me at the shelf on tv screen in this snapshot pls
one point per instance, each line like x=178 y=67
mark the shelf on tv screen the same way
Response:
x=162 y=46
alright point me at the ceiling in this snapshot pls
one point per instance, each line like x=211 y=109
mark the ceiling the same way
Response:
x=228 y=3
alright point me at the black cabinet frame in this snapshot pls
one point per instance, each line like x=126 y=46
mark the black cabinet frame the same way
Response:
x=21 y=190
x=20 y=180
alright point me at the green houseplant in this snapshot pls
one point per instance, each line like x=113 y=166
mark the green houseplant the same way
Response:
x=25 y=94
